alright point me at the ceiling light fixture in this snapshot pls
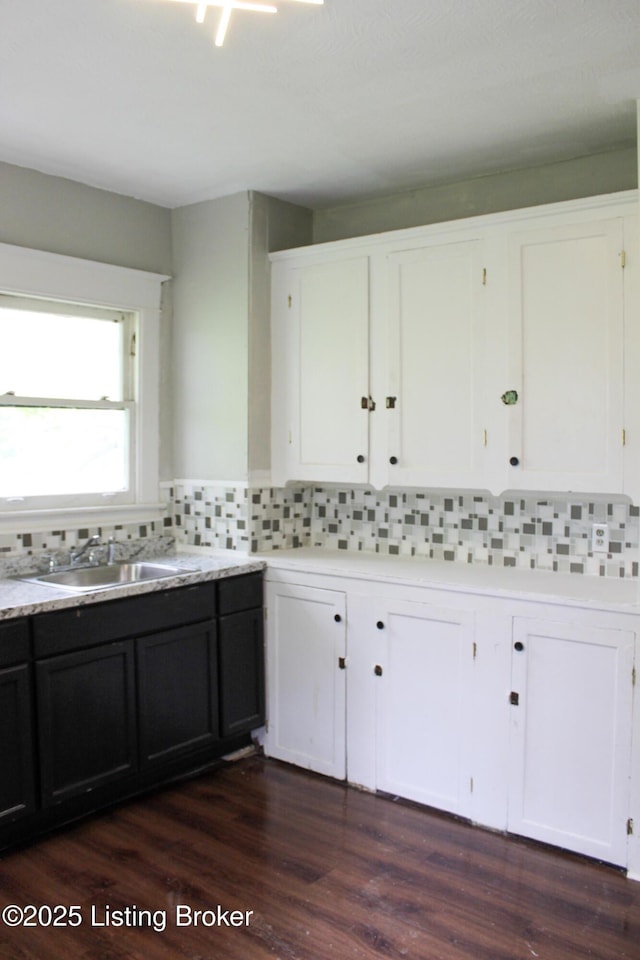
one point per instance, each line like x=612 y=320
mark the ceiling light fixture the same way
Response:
x=228 y=6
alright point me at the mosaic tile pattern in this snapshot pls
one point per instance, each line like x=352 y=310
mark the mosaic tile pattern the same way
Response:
x=236 y=518
x=536 y=533
x=551 y=534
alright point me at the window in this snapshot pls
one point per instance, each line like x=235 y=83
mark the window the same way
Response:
x=79 y=404
x=67 y=403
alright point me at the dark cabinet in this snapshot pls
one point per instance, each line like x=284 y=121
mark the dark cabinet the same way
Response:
x=241 y=672
x=86 y=720
x=241 y=654
x=17 y=757
x=178 y=692
x=101 y=701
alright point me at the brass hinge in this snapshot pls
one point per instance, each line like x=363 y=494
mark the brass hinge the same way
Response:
x=623 y=258
x=289 y=301
x=368 y=403
x=484 y=438
x=475 y=649
x=630 y=827
x=624 y=437
x=484 y=276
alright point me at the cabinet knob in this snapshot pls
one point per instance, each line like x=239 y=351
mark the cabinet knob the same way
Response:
x=360 y=458
x=337 y=618
x=393 y=460
x=380 y=625
x=514 y=461
x=519 y=646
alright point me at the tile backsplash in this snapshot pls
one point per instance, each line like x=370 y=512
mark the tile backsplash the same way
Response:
x=535 y=531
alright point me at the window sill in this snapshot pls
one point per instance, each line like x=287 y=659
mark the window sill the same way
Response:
x=29 y=521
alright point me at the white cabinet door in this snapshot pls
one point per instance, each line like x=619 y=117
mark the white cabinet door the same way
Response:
x=306 y=647
x=571 y=736
x=320 y=328
x=566 y=358
x=437 y=366
x=423 y=716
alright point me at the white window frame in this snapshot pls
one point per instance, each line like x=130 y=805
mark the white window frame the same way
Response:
x=35 y=273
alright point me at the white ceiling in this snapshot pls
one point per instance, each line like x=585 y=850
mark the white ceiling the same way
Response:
x=317 y=105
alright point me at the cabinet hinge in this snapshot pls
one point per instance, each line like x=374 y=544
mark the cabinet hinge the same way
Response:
x=289 y=301
x=624 y=437
x=133 y=346
x=623 y=258
x=484 y=276
x=342 y=663
x=630 y=827
x=475 y=649
x=484 y=438
x=633 y=676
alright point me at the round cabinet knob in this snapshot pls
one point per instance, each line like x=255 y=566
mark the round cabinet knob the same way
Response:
x=380 y=625
x=519 y=646
x=514 y=461
x=360 y=458
x=393 y=460
x=338 y=618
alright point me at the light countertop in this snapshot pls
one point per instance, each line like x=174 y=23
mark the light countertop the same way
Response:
x=570 y=589
x=20 y=598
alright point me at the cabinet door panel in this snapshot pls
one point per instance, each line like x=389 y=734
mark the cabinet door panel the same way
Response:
x=571 y=737
x=423 y=697
x=566 y=358
x=177 y=688
x=306 y=707
x=321 y=362
x=17 y=793
x=241 y=658
x=86 y=720
x=436 y=313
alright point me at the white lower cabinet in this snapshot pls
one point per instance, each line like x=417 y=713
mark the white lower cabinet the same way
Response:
x=423 y=683
x=515 y=714
x=306 y=678
x=571 y=723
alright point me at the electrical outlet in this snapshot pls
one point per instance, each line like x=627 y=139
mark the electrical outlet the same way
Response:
x=600 y=538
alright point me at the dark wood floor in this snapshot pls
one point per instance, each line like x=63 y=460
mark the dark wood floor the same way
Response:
x=328 y=871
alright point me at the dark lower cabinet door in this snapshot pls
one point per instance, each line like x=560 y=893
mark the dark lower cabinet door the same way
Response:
x=177 y=690
x=17 y=792
x=241 y=671
x=86 y=720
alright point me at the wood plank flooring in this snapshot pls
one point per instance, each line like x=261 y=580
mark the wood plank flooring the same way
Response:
x=327 y=871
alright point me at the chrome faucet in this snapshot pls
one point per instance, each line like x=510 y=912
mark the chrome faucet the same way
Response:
x=75 y=556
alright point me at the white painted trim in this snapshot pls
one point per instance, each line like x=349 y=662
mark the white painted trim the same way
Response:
x=28 y=521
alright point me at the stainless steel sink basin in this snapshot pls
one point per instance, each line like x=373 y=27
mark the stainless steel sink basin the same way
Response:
x=105 y=576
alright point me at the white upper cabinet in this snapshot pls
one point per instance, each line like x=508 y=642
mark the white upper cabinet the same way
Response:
x=434 y=408
x=320 y=384
x=566 y=357
x=482 y=354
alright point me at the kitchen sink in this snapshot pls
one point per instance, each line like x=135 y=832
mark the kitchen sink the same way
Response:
x=106 y=575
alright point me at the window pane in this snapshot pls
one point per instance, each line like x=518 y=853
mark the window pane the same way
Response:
x=52 y=355
x=53 y=451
